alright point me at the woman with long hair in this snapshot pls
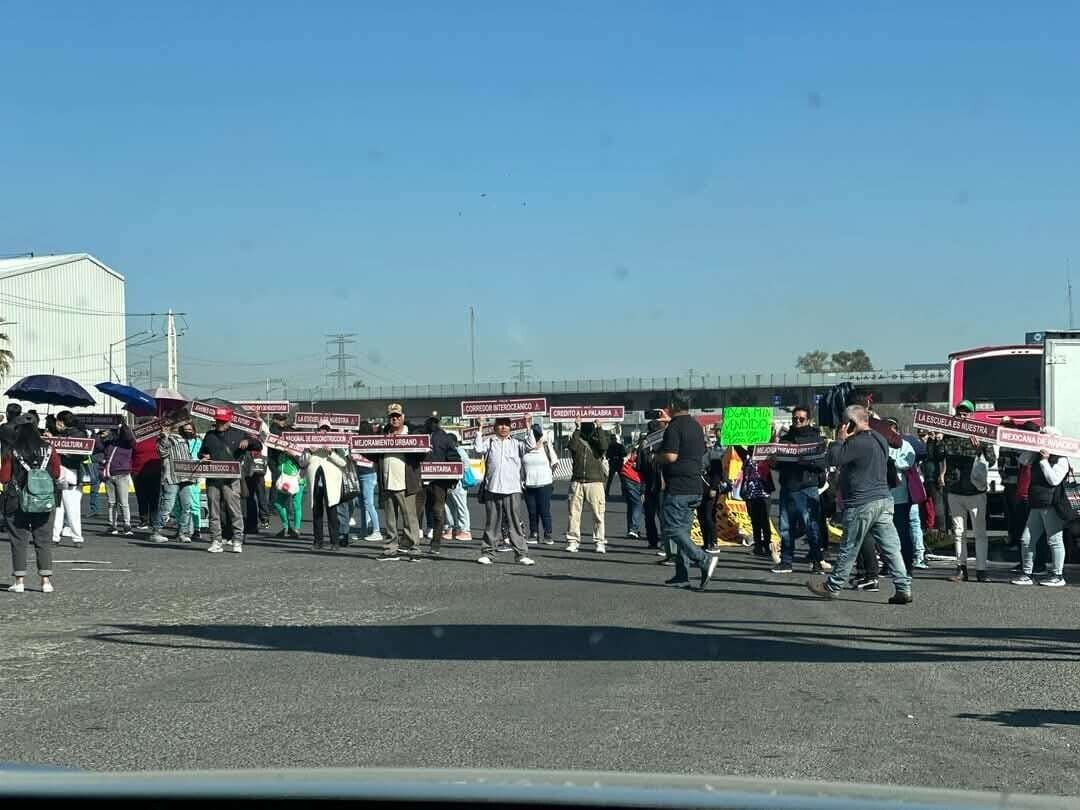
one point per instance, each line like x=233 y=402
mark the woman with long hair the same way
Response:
x=30 y=519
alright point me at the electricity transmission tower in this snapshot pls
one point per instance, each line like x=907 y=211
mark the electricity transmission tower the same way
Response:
x=522 y=367
x=341 y=376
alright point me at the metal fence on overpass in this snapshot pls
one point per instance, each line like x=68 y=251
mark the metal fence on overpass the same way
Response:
x=617 y=385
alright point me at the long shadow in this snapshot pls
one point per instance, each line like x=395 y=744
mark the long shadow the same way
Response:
x=1028 y=718
x=530 y=642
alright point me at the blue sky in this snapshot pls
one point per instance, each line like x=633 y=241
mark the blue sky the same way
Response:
x=620 y=188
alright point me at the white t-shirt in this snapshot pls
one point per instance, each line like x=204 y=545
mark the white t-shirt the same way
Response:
x=537 y=463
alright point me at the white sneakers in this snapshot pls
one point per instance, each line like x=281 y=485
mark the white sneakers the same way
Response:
x=374 y=537
x=484 y=559
x=18 y=587
x=429 y=534
x=352 y=523
x=46 y=587
x=601 y=548
x=158 y=537
x=184 y=538
x=235 y=547
x=526 y=561
x=572 y=548
x=216 y=548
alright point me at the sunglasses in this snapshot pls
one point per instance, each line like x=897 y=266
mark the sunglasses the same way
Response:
x=800 y=419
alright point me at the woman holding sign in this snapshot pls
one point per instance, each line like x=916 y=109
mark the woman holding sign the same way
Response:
x=1046 y=499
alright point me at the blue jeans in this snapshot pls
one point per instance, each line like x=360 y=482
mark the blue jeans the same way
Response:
x=917 y=544
x=169 y=495
x=366 y=506
x=95 y=482
x=801 y=506
x=869 y=523
x=631 y=491
x=676 y=519
x=344 y=512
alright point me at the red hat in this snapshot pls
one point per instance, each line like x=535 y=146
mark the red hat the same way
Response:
x=223 y=415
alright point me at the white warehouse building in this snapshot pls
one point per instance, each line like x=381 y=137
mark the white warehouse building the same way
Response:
x=65 y=315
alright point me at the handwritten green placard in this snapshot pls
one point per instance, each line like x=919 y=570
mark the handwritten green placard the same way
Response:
x=746 y=426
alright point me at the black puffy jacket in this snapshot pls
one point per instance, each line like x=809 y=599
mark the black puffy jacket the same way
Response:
x=796 y=475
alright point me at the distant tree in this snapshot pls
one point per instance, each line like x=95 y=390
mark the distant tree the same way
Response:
x=820 y=361
x=857 y=360
x=813 y=362
x=7 y=357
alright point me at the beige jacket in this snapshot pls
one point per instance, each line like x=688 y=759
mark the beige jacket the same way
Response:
x=332 y=466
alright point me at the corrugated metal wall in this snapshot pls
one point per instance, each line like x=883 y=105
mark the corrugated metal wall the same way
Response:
x=48 y=337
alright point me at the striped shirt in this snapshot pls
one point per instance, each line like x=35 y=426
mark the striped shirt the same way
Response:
x=172 y=448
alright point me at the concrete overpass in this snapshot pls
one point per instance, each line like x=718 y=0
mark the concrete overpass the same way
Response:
x=642 y=393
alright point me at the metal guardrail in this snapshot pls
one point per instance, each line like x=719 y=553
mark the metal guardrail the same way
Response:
x=618 y=385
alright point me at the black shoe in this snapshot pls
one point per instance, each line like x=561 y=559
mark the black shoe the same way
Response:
x=981 y=576
x=961 y=574
x=677 y=581
x=760 y=551
x=280 y=535
x=900 y=598
x=783 y=568
x=866 y=584
x=317 y=544
x=387 y=557
x=292 y=534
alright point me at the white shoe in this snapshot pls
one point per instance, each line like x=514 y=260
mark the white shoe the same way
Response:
x=17 y=588
x=216 y=547
x=484 y=559
x=352 y=523
x=46 y=587
x=526 y=561
x=157 y=537
x=826 y=567
x=235 y=547
x=184 y=538
x=601 y=548
x=572 y=548
x=429 y=534
x=374 y=537
x=661 y=553
x=66 y=532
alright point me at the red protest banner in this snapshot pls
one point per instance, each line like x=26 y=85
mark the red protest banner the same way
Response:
x=264 y=406
x=306 y=439
x=207 y=469
x=1028 y=440
x=275 y=442
x=504 y=407
x=99 y=421
x=516 y=426
x=147 y=429
x=441 y=470
x=335 y=420
x=954 y=425
x=71 y=445
x=361 y=460
x=787 y=451
x=401 y=443
x=240 y=421
x=587 y=413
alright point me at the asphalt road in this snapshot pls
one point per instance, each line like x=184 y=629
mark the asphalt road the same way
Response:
x=166 y=657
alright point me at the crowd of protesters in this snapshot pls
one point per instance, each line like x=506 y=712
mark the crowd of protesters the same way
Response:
x=880 y=493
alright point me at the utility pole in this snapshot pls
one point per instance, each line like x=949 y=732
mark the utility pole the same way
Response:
x=170 y=350
x=1068 y=293
x=342 y=374
x=472 y=341
x=691 y=375
x=522 y=367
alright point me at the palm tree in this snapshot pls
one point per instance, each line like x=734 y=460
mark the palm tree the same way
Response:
x=7 y=357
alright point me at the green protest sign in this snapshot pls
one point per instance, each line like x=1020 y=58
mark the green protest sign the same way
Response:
x=746 y=426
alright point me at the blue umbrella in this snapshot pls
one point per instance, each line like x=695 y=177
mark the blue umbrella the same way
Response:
x=139 y=402
x=49 y=389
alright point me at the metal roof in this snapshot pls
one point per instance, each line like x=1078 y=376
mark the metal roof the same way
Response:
x=28 y=264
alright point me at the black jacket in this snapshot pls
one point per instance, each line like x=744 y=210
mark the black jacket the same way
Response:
x=73 y=462
x=225 y=446
x=443 y=449
x=796 y=475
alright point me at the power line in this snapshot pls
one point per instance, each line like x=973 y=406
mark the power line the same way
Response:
x=231 y=363
x=21 y=302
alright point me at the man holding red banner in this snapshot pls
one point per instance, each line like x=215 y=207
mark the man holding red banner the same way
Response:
x=225 y=443
x=964 y=477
